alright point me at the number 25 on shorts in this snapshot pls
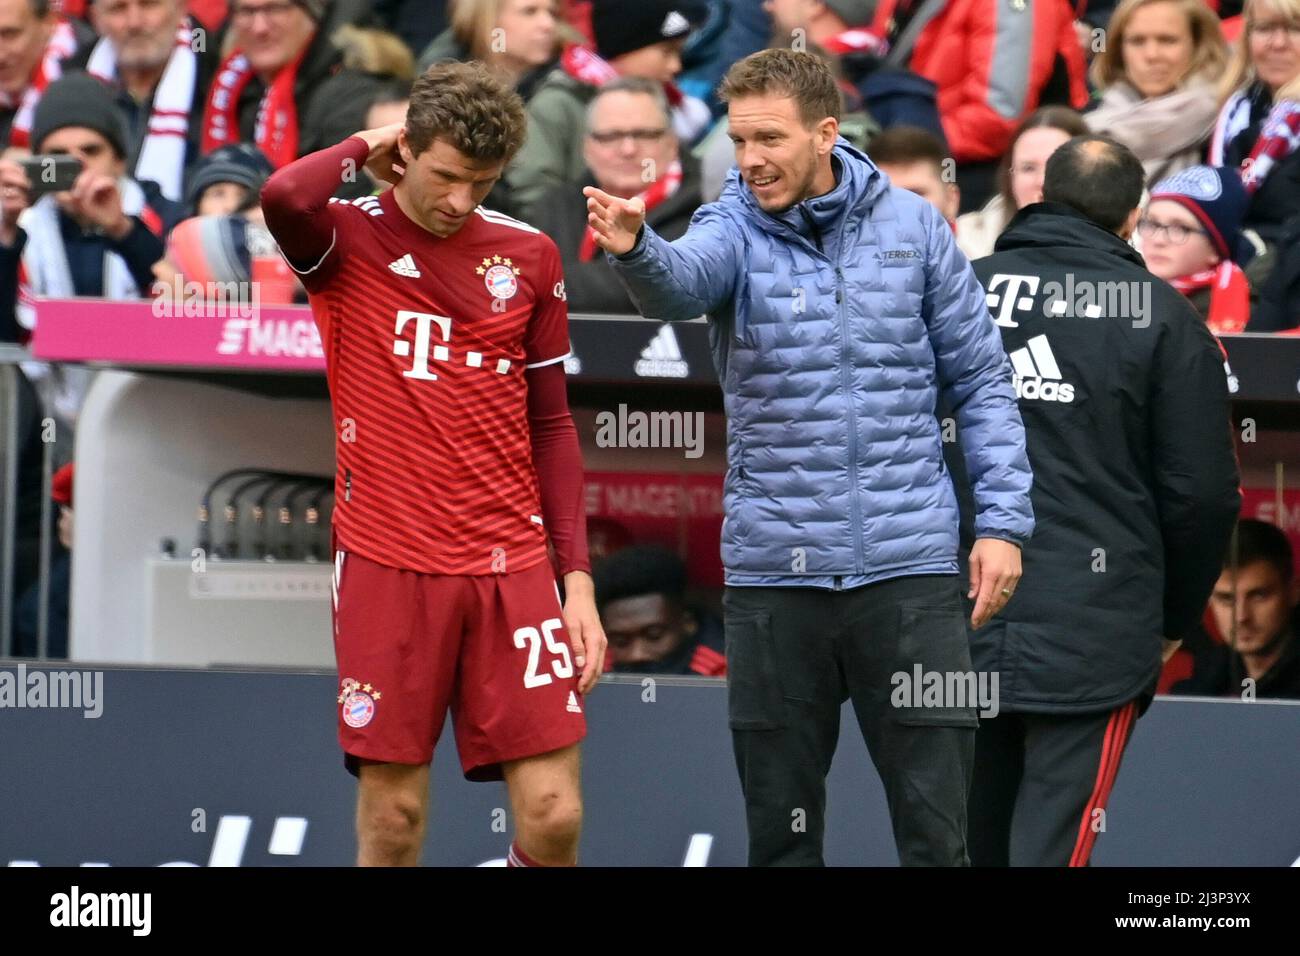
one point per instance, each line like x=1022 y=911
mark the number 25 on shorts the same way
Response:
x=528 y=636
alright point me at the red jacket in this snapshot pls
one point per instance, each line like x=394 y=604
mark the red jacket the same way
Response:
x=991 y=60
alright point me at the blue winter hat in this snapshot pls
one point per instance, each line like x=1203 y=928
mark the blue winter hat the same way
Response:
x=1215 y=196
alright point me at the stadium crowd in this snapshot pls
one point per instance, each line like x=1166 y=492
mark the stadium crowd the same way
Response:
x=178 y=112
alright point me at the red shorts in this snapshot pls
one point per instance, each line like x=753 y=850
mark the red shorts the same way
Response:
x=492 y=647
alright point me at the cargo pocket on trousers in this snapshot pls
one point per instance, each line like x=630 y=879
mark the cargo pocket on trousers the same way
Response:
x=754 y=696
x=933 y=683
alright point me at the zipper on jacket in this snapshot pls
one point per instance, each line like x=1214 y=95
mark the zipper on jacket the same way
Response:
x=812 y=227
x=854 y=504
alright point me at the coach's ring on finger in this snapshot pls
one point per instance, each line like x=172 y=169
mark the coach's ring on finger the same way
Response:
x=1007 y=592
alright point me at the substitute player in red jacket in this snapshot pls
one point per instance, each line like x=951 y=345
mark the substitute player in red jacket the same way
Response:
x=445 y=330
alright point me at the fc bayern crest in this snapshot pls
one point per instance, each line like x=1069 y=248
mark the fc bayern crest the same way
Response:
x=358 y=709
x=359 y=702
x=499 y=275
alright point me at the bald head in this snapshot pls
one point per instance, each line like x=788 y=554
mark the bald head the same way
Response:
x=1097 y=176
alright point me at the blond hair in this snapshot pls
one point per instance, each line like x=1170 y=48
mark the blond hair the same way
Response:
x=374 y=51
x=473 y=22
x=1241 y=71
x=1209 y=49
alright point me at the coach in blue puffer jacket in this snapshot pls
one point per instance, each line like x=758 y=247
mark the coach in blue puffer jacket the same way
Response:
x=841 y=311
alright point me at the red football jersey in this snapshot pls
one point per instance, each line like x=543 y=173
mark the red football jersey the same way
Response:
x=426 y=342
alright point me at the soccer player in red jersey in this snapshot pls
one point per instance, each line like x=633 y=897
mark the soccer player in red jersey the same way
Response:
x=445 y=332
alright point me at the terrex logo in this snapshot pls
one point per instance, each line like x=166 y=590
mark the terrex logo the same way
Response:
x=1035 y=374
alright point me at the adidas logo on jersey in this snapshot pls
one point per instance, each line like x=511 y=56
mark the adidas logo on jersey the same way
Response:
x=573 y=707
x=369 y=204
x=1035 y=374
x=405 y=266
x=662 y=358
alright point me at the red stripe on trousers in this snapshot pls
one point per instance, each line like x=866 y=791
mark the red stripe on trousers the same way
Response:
x=1112 y=751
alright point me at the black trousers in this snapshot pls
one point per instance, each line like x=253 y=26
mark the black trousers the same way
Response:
x=794 y=655
x=1040 y=786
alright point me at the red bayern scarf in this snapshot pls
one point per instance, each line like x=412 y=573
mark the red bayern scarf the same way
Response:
x=1279 y=137
x=275 y=132
x=659 y=190
x=1229 y=295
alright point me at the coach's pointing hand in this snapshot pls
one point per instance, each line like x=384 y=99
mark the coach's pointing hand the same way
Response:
x=994 y=574
x=585 y=632
x=615 y=221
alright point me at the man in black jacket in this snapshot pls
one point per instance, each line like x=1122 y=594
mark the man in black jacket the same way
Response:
x=1125 y=403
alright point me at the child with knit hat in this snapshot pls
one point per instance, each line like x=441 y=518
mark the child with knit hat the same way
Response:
x=1191 y=234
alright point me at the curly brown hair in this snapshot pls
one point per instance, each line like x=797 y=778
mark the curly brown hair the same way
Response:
x=466 y=106
x=801 y=75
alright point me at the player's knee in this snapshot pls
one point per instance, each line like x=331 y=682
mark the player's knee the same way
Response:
x=394 y=821
x=552 y=815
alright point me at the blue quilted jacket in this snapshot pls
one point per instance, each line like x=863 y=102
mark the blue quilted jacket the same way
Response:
x=831 y=365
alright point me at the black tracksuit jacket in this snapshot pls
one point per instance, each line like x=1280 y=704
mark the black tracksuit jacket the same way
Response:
x=1124 y=398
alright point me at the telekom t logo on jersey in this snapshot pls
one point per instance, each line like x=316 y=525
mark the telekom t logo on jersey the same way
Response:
x=424 y=322
x=1013 y=294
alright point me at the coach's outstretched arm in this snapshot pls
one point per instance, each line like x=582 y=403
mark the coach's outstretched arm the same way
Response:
x=1194 y=465
x=974 y=378
x=669 y=281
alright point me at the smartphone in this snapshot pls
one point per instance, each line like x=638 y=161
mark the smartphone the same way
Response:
x=53 y=173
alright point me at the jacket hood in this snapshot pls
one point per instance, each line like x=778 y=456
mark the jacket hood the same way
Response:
x=1056 y=225
x=860 y=185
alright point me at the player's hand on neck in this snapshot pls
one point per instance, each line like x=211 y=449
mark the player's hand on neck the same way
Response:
x=384 y=161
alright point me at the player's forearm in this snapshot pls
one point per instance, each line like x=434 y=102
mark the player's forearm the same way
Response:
x=557 y=459
x=295 y=200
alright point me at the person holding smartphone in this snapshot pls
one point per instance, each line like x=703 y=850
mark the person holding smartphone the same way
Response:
x=87 y=229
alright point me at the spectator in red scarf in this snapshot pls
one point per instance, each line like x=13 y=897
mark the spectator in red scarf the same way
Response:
x=1190 y=231
x=286 y=72
x=642 y=39
x=36 y=47
x=630 y=150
